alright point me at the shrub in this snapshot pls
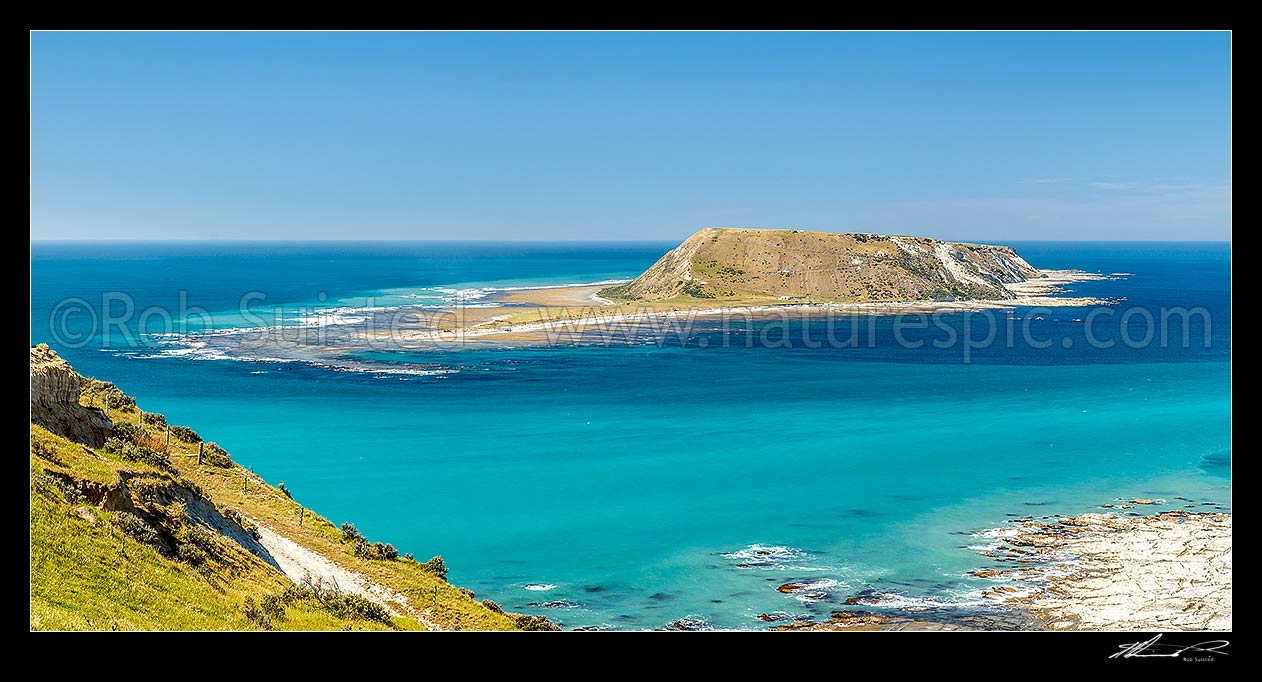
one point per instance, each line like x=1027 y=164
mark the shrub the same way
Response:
x=137 y=453
x=353 y=606
x=409 y=557
x=492 y=606
x=255 y=615
x=349 y=532
x=128 y=431
x=281 y=487
x=153 y=418
x=192 y=554
x=526 y=621
x=694 y=290
x=111 y=395
x=50 y=484
x=363 y=549
x=386 y=551
x=215 y=455
x=136 y=528
x=273 y=606
x=331 y=599
x=45 y=450
x=185 y=434
x=436 y=566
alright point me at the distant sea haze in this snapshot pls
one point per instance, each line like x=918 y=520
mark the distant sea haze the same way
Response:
x=632 y=485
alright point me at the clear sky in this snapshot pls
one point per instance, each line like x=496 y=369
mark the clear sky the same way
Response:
x=625 y=136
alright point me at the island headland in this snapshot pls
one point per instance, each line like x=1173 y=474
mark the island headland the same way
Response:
x=719 y=271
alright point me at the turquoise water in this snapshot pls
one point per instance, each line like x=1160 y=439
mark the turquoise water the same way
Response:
x=644 y=483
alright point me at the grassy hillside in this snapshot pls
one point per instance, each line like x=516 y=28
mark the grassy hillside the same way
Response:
x=740 y=265
x=137 y=534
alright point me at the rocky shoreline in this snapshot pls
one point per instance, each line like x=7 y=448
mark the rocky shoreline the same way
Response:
x=1167 y=571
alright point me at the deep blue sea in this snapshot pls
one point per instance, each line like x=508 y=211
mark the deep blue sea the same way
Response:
x=634 y=484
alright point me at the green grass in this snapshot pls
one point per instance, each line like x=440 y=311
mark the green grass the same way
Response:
x=87 y=574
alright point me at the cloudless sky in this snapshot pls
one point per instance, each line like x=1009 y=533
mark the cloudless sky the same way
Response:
x=982 y=136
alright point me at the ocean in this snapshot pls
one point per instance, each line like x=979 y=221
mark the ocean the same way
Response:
x=637 y=484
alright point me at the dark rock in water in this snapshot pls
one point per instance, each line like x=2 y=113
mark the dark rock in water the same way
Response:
x=767 y=618
x=797 y=625
x=556 y=604
x=661 y=596
x=763 y=552
x=591 y=628
x=625 y=617
x=791 y=588
x=593 y=588
x=716 y=601
x=689 y=624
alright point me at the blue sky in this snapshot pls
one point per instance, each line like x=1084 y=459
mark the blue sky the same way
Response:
x=622 y=136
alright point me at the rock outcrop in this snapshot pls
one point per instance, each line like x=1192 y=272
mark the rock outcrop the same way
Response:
x=753 y=264
x=55 y=400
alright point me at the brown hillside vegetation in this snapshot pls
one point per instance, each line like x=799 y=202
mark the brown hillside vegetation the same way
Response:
x=761 y=264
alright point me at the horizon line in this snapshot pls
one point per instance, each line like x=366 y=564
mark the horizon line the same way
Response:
x=143 y=240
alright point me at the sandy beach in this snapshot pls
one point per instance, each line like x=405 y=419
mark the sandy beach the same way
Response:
x=539 y=314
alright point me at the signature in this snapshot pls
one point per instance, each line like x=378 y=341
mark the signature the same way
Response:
x=1152 y=649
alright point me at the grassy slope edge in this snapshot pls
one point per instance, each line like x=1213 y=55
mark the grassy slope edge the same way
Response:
x=144 y=558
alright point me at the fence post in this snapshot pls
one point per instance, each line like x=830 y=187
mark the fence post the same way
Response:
x=200 y=447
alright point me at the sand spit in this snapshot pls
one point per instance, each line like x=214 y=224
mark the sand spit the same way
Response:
x=531 y=313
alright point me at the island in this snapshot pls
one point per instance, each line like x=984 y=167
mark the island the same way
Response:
x=720 y=271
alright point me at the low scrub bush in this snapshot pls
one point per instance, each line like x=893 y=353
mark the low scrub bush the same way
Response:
x=185 y=434
x=137 y=453
x=436 y=566
x=329 y=597
x=525 y=621
x=153 y=419
x=111 y=395
x=215 y=455
x=128 y=431
x=136 y=528
x=255 y=614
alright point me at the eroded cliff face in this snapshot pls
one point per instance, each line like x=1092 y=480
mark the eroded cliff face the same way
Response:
x=738 y=263
x=55 y=400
